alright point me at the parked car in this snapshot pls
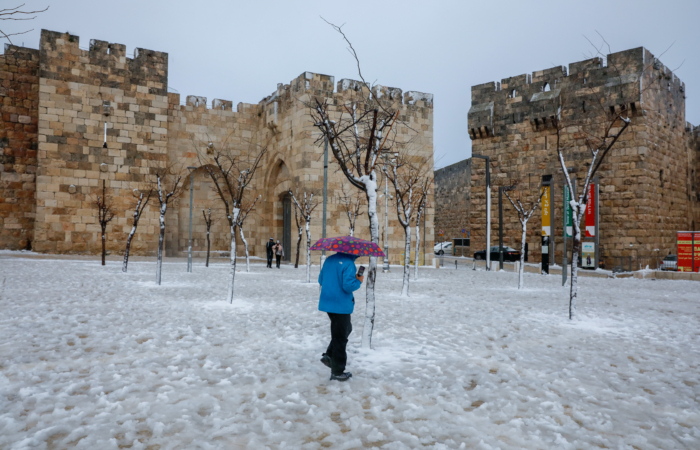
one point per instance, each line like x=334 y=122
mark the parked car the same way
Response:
x=670 y=262
x=443 y=247
x=509 y=254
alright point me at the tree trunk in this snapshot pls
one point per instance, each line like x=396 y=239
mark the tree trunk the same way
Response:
x=137 y=216
x=161 y=241
x=233 y=253
x=245 y=245
x=574 y=262
x=208 y=246
x=308 y=249
x=521 y=269
x=128 y=248
x=104 y=227
x=415 y=274
x=296 y=262
x=352 y=230
x=371 y=192
x=406 y=261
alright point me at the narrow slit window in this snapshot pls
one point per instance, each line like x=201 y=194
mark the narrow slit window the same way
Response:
x=109 y=49
x=584 y=106
x=105 y=142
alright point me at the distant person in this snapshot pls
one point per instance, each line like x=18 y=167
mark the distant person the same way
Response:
x=338 y=280
x=270 y=252
x=279 y=252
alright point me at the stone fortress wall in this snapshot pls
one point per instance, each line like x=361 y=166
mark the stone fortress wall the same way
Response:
x=452 y=199
x=649 y=181
x=72 y=118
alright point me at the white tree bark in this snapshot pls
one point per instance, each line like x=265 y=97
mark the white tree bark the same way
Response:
x=137 y=214
x=232 y=223
x=308 y=247
x=245 y=244
x=161 y=240
x=406 y=261
x=371 y=192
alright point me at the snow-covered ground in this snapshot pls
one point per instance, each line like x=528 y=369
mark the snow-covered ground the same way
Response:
x=95 y=359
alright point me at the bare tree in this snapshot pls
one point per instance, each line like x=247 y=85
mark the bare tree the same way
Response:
x=232 y=170
x=208 y=222
x=407 y=178
x=167 y=186
x=421 y=204
x=105 y=214
x=352 y=203
x=591 y=118
x=18 y=14
x=306 y=209
x=357 y=132
x=299 y=228
x=524 y=214
x=140 y=207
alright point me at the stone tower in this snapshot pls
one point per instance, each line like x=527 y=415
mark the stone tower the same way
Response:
x=648 y=184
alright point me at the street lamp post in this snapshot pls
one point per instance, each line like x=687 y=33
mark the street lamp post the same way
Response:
x=488 y=209
x=189 y=247
x=325 y=193
x=385 y=267
x=384 y=155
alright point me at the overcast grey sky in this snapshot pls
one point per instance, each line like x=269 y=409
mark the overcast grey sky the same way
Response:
x=240 y=50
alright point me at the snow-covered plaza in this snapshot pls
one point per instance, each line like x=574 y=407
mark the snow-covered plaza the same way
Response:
x=93 y=358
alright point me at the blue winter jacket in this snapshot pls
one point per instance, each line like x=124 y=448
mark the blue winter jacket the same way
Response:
x=338 y=281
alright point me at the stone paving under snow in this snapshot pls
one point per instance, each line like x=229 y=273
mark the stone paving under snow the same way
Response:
x=93 y=358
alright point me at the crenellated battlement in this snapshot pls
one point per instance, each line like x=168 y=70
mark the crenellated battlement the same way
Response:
x=104 y=63
x=537 y=97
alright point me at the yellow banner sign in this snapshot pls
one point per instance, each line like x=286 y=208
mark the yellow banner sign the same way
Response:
x=546 y=211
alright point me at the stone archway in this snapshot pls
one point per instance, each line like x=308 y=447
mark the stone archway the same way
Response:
x=279 y=206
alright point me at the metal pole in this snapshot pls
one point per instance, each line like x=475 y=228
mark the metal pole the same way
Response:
x=385 y=267
x=500 y=227
x=564 y=215
x=424 y=214
x=189 y=248
x=325 y=192
x=488 y=209
x=596 y=204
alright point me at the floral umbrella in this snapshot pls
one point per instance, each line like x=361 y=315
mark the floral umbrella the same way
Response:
x=350 y=245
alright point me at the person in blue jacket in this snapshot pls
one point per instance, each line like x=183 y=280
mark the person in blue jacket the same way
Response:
x=338 y=280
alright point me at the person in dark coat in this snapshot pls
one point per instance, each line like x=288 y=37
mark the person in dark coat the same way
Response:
x=338 y=280
x=279 y=252
x=270 y=252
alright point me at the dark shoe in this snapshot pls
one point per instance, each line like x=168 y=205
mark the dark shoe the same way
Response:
x=326 y=360
x=342 y=377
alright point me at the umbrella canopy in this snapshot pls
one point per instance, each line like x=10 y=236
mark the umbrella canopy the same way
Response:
x=350 y=245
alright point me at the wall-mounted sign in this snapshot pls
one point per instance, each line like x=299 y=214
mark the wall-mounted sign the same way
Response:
x=546 y=211
x=590 y=211
x=688 y=251
x=588 y=255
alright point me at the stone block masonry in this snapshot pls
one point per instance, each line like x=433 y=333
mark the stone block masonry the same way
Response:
x=72 y=118
x=648 y=183
x=19 y=97
x=452 y=199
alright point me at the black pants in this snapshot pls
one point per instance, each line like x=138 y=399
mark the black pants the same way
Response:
x=279 y=258
x=341 y=327
x=269 y=260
